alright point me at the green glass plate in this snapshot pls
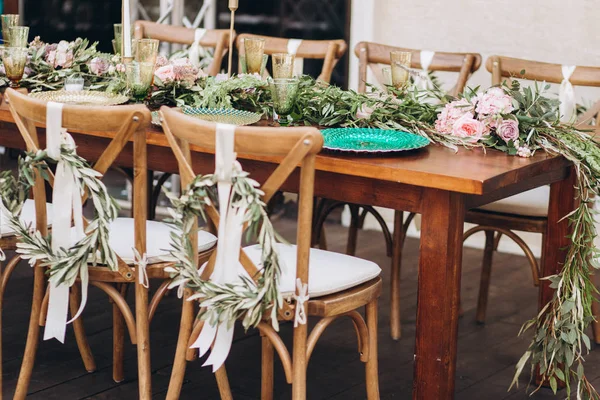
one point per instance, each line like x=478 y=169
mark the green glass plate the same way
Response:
x=367 y=140
x=223 y=115
x=156 y=118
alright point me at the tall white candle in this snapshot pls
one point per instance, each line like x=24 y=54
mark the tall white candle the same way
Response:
x=126 y=29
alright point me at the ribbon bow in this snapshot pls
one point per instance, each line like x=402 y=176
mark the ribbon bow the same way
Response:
x=66 y=200
x=301 y=297
x=566 y=95
x=292 y=48
x=196 y=51
x=141 y=262
x=422 y=80
x=220 y=336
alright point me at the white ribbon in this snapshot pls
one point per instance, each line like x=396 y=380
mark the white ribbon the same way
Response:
x=422 y=80
x=229 y=241
x=196 y=51
x=292 y=48
x=567 y=95
x=2 y=255
x=141 y=262
x=66 y=200
x=301 y=298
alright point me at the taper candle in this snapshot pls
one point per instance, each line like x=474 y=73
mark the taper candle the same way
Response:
x=126 y=29
x=233 y=5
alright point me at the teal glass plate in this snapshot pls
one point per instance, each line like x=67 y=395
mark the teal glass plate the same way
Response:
x=223 y=115
x=368 y=140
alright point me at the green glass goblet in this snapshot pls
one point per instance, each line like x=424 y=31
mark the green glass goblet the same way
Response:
x=139 y=77
x=283 y=93
x=118 y=40
x=14 y=59
x=8 y=20
x=19 y=36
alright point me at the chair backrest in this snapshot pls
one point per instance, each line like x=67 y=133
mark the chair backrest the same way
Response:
x=330 y=51
x=373 y=55
x=217 y=39
x=294 y=146
x=122 y=123
x=516 y=68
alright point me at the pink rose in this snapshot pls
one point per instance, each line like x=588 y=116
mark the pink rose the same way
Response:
x=165 y=73
x=450 y=114
x=364 y=112
x=161 y=61
x=469 y=128
x=494 y=101
x=99 y=66
x=508 y=130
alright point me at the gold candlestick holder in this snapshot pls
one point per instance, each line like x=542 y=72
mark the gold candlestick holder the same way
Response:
x=233 y=6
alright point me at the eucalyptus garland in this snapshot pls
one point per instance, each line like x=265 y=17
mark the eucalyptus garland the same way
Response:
x=64 y=265
x=232 y=301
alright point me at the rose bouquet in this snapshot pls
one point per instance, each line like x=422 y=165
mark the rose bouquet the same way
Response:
x=176 y=83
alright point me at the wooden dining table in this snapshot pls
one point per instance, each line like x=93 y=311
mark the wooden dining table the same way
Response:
x=437 y=182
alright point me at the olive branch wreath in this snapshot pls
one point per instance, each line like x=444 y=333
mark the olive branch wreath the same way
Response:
x=64 y=265
x=231 y=301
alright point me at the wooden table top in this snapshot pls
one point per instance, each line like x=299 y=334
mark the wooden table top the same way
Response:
x=474 y=172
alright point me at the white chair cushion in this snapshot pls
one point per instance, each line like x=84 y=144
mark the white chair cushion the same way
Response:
x=27 y=217
x=533 y=203
x=329 y=272
x=158 y=240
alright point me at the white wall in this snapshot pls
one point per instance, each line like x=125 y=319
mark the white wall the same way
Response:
x=558 y=31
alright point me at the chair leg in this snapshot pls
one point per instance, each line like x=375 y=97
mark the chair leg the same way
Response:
x=143 y=342
x=223 y=384
x=398 y=241
x=33 y=333
x=371 y=367
x=353 y=230
x=299 y=361
x=267 y=369
x=82 y=343
x=486 y=272
x=4 y=275
x=118 y=345
x=179 y=364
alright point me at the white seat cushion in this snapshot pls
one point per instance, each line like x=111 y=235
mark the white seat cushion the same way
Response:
x=533 y=203
x=27 y=217
x=329 y=272
x=158 y=240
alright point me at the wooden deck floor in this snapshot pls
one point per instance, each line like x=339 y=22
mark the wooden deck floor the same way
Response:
x=486 y=358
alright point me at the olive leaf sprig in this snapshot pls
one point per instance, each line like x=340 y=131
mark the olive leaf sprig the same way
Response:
x=227 y=302
x=65 y=265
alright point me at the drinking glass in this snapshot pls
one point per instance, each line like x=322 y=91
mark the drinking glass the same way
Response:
x=400 y=63
x=283 y=65
x=118 y=40
x=8 y=20
x=74 y=83
x=139 y=79
x=19 y=36
x=255 y=49
x=283 y=93
x=145 y=50
x=14 y=59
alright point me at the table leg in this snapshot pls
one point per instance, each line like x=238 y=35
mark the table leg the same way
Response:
x=439 y=294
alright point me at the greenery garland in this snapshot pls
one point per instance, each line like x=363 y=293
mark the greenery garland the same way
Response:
x=64 y=265
x=226 y=302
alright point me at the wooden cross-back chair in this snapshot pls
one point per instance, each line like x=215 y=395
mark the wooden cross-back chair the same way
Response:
x=330 y=51
x=372 y=56
x=527 y=211
x=218 y=39
x=334 y=292
x=122 y=124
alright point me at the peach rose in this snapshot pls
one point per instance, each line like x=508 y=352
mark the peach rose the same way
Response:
x=469 y=128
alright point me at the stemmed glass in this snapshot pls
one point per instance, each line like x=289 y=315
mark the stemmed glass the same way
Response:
x=139 y=79
x=8 y=20
x=118 y=40
x=19 y=36
x=145 y=50
x=14 y=59
x=400 y=64
x=254 y=53
x=283 y=93
x=283 y=65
